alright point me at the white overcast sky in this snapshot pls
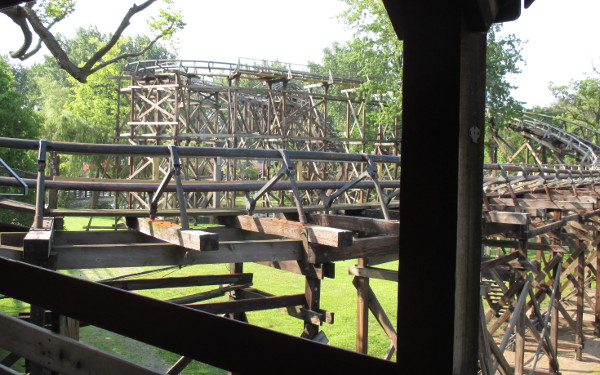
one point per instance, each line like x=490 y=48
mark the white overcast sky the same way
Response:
x=563 y=36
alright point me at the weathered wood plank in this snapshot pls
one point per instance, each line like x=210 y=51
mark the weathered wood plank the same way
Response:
x=17 y=206
x=11 y=252
x=193 y=239
x=545 y=203
x=355 y=223
x=254 y=304
x=12 y=238
x=301 y=267
x=530 y=245
x=499 y=217
x=180 y=282
x=60 y=353
x=313 y=233
x=361 y=248
x=37 y=243
x=374 y=273
x=160 y=254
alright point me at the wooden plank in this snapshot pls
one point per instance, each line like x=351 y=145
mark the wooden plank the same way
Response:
x=54 y=212
x=534 y=232
x=545 y=203
x=12 y=238
x=160 y=254
x=193 y=239
x=255 y=304
x=143 y=319
x=11 y=252
x=498 y=261
x=60 y=353
x=17 y=206
x=531 y=211
x=499 y=217
x=361 y=248
x=180 y=282
x=301 y=267
x=203 y=296
x=38 y=242
x=374 y=273
x=356 y=223
x=530 y=245
x=314 y=233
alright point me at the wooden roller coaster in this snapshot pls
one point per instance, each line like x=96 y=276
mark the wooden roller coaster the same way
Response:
x=290 y=178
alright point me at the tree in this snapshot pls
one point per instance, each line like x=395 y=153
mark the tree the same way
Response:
x=40 y=17
x=17 y=119
x=375 y=54
x=578 y=101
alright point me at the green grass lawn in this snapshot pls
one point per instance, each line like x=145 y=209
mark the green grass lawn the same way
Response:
x=338 y=295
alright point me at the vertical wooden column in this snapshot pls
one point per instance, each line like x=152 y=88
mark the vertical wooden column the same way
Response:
x=362 y=313
x=241 y=316
x=442 y=120
x=520 y=342
x=312 y=292
x=597 y=300
x=580 y=295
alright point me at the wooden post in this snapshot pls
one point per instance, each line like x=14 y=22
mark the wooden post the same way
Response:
x=312 y=292
x=362 y=313
x=555 y=313
x=443 y=64
x=520 y=342
x=597 y=300
x=580 y=295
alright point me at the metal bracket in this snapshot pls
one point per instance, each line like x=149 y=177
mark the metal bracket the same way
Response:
x=509 y=186
x=18 y=178
x=174 y=171
x=371 y=172
x=40 y=193
x=289 y=169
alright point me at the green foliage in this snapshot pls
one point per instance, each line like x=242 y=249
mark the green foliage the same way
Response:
x=17 y=120
x=578 y=101
x=503 y=59
x=52 y=11
x=375 y=54
x=77 y=112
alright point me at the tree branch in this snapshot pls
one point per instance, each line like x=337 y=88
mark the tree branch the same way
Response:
x=115 y=37
x=16 y=14
x=126 y=55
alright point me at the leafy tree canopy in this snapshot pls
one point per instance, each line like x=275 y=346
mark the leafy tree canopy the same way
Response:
x=578 y=101
x=17 y=119
x=375 y=54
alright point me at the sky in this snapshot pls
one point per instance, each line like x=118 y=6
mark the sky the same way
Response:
x=562 y=44
x=562 y=38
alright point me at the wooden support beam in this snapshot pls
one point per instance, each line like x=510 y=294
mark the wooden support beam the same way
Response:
x=59 y=353
x=255 y=304
x=302 y=267
x=193 y=239
x=374 y=273
x=38 y=241
x=545 y=203
x=361 y=248
x=143 y=319
x=180 y=282
x=357 y=224
x=315 y=234
x=160 y=254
